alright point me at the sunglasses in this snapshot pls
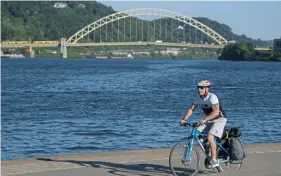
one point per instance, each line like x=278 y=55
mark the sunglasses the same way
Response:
x=200 y=87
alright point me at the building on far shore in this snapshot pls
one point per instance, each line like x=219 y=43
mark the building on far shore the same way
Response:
x=277 y=44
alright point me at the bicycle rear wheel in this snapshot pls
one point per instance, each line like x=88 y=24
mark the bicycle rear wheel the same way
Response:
x=177 y=161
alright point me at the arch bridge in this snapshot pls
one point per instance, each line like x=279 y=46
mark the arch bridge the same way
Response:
x=159 y=38
x=147 y=12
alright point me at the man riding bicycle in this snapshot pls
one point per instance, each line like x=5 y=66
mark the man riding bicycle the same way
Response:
x=214 y=122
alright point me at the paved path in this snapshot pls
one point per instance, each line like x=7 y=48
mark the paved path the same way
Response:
x=262 y=160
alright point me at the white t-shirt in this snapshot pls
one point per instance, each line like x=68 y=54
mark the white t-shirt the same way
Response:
x=207 y=102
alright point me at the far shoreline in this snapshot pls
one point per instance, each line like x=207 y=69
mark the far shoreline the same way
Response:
x=162 y=58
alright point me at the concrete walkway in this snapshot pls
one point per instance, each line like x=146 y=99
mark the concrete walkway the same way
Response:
x=262 y=160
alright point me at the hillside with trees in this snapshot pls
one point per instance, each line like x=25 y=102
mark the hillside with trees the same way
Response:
x=36 y=20
x=246 y=52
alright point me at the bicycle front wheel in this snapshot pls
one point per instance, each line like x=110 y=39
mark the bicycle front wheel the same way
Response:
x=178 y=160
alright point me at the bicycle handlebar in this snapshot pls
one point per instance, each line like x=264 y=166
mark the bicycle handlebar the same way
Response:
x=190 y=124
x=193 y=124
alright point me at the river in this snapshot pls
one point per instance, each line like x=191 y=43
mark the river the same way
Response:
x=71 y=106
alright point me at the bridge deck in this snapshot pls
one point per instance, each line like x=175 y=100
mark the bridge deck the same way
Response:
x=55 y=44
x=46 y=44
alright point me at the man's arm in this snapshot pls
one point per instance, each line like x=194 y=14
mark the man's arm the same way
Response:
x=189 y=111
x=214 y=113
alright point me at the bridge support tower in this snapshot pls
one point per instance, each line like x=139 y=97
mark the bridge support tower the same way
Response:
x=63 y=49
x=31 y=52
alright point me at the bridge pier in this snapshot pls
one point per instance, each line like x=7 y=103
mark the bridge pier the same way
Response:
x=63 y=49
x=31 y=52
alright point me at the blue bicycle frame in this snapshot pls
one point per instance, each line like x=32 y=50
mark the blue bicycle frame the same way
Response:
x=195 y=135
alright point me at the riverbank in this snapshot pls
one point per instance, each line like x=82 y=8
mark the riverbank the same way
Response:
x=17 y=56
x=154 y=52
x=133 y=57
x=148 y=162
x=121 y=58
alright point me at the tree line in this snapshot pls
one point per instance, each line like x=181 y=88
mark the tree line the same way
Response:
x=246 y=52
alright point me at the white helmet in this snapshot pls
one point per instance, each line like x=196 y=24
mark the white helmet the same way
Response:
x=204 y=83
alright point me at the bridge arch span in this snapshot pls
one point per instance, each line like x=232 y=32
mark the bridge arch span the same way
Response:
x=147 y=12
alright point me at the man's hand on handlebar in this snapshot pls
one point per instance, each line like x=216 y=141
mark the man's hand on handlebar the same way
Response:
x=182 y=122
x=185 y=123
x=201 y=122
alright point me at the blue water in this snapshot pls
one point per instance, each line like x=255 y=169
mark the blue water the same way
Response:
x=71 y=106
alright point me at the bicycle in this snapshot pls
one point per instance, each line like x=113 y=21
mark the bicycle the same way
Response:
x=186 y=156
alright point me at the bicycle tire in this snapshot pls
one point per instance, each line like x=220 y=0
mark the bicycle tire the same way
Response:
x=171 y=164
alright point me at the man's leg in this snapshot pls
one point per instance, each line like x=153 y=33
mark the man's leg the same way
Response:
x=213 y=146
x=215 y=131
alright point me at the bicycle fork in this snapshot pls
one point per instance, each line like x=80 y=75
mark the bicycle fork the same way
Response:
x=188 y=150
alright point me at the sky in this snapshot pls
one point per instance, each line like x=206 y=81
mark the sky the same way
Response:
x=257 y=19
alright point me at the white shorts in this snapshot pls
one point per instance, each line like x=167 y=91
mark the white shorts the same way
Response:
x=214 y=127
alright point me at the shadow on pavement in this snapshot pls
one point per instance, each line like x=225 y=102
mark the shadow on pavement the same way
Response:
x=124 y=169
